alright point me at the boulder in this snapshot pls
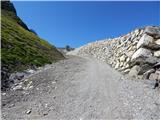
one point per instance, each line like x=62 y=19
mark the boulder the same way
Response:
x=157 y=66
x=141 y=53
x=144 y=68
x=147 y=73
x=157 y=53
x=130 y=53
x=157 y=42
x=134 y=71
x=151 y=60
x=128 y=59
x=31 y=71
x=122 y=58
x=153 y=31
x=18 y=87
x=126 y=65
x=126 y=71
x=18 y=76
x=121 y=64
x=137 y=32
x=117 y=65
x=158 y=71
x=154 y=76
x=145 y=41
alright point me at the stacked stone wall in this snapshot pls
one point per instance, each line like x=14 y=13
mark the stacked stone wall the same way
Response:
x=136 y=54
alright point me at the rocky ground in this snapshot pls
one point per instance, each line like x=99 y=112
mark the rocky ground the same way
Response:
x=81 y=88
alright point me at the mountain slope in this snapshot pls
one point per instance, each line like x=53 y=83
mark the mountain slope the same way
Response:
x=21 y=49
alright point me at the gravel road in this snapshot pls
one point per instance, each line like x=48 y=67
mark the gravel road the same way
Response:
x=82 y=89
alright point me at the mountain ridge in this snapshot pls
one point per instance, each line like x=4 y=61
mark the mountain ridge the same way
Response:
x=21 y=48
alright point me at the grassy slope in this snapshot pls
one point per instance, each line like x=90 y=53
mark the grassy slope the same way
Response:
x=21 y=48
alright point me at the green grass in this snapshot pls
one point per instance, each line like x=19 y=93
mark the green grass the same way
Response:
x=21 y=48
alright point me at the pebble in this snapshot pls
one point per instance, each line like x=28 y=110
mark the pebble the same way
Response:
x=55 y=87
x=28 y=111
x=11 y=105
x=31 y=71
x=30 y=87
x=3 y=93
x=54 y=97
x=45 y=113
x=37 y=88
x=53 y=82
x=18 y=87
x=46 y=105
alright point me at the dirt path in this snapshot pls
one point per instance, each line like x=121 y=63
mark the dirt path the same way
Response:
x=82 y=89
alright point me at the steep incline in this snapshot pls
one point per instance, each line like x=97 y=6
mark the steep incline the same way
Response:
x=137 y=53
x=21 y=49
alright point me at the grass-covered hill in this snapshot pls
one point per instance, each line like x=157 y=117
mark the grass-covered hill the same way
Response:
x=20 y=47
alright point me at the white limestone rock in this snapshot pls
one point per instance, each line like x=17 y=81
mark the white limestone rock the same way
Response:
x=122 y=58
x=145 y=40
x=134 y=71
x=157 y=42
x=141 y=53
x=157 y=53
x=117 y=65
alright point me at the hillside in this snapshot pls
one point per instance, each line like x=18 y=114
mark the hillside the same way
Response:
x=21 y=48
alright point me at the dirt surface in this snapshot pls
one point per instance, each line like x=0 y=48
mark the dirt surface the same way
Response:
x=82 y=89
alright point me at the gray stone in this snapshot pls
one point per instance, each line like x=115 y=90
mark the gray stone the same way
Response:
x=16 y=77
x=128 y=59
x=153 y=31
x=117 y=65
x=126 y=65
x=130 y=53
x=154 y=76
x=144 y=68
x=141 y=53
x=157 y=65
x=157 y=42
x=151 y=60
x=157 y=53
x=31 y=71
x=12 y=76
x=147 y=73
x=137 y=32
x=18 y=87
x=121 y=64
x=122 y=58
x=145 y=40
x=126 y=71
x=158 y=71
x=3 y=93
x=19 y=75
x=11 y=105
x=134 y=71
x=28 y=111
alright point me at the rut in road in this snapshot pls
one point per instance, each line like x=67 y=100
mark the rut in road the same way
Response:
x=83 y=89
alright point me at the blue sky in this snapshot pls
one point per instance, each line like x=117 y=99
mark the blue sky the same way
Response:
x=77 y=23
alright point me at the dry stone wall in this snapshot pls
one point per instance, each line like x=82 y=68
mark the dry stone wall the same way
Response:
x=136 y=54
